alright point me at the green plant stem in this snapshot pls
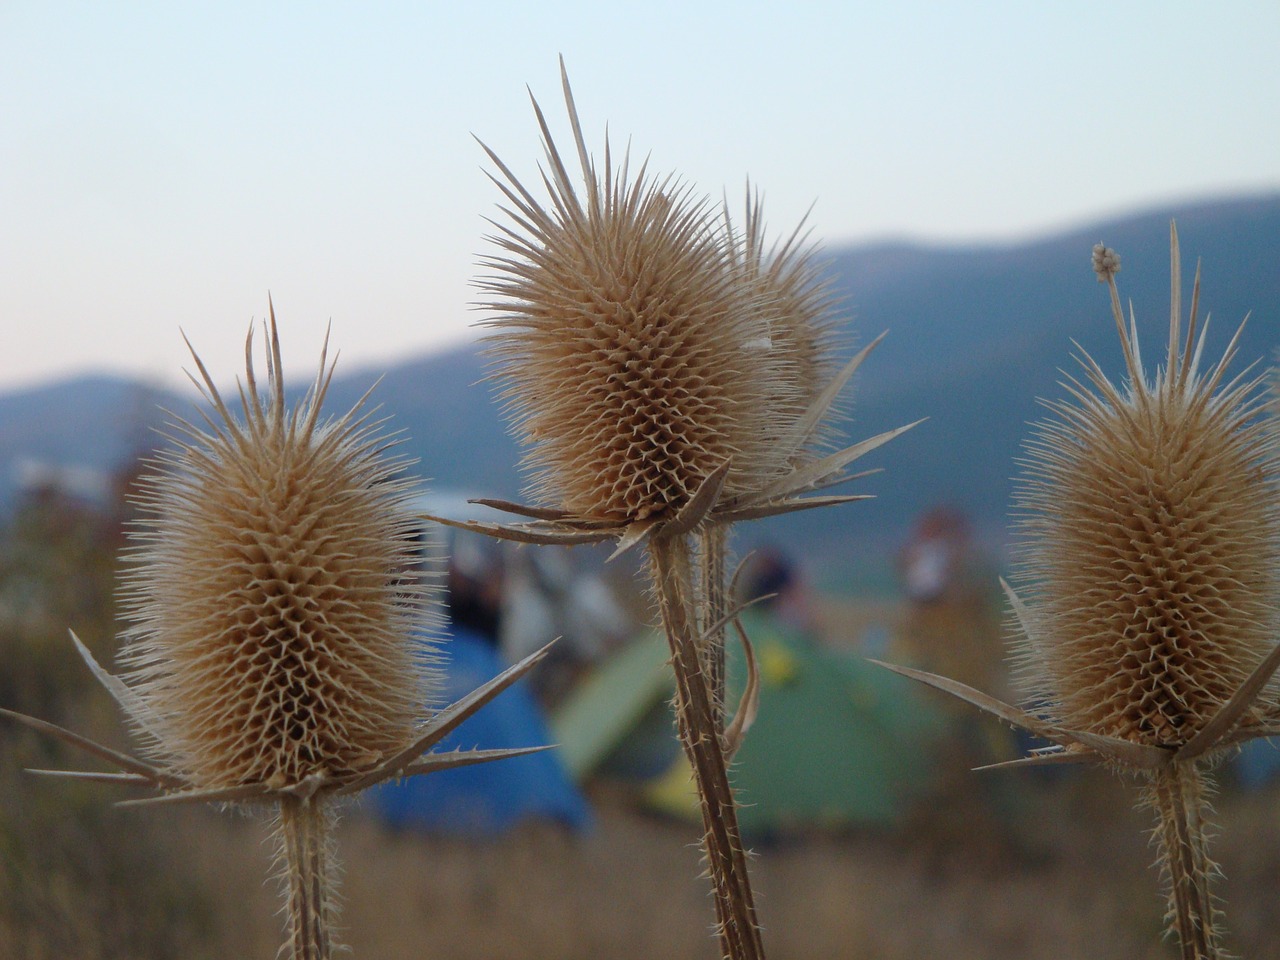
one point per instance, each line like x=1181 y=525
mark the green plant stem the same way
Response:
x=699 y=733
x=1178 y=795
x=304 y=828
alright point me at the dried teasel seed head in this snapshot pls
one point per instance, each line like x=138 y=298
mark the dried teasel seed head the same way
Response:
x=273 y=593
x=1150 y=554
x=797 y=305
x=634 y=361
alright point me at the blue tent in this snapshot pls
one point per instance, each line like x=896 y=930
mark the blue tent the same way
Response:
x=487 y=798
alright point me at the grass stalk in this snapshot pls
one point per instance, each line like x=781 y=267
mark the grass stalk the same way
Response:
x=698 y=728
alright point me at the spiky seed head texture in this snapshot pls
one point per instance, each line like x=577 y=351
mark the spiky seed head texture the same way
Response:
x=634 y=360
x=798 y=308
x=1150 y=559
x=276 y=615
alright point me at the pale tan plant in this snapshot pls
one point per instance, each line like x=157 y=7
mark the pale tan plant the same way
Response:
x=648 y=370
x=1149 y=576
x=799 y=314
x=278 y=650
x=797 y=305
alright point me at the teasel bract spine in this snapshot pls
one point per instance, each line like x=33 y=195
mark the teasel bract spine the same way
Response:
x=279 y=654
x=1149 y=576
x=642 y=366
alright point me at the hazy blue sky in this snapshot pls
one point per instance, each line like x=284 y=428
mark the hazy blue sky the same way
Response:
x=165 y=165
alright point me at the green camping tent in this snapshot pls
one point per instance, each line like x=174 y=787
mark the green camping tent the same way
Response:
x=616 y=718
x=838 y=741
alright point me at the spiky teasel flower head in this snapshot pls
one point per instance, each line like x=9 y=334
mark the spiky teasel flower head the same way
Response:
x=636 y=363
x=276 y=651
x=798 y=310
x=1150 y=559
x=274 y=595
x=1150 y=568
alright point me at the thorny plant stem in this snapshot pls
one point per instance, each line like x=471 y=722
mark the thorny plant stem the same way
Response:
x=715 y=603
x=700 y=735
x=304 y=829
x=1178 y=795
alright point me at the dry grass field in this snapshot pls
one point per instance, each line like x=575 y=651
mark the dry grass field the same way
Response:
x=1019 y=869
x=996 y=866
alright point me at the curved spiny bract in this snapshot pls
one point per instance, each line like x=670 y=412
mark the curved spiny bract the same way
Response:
x=1150 y=560
x=635 y=362
x=273 y=596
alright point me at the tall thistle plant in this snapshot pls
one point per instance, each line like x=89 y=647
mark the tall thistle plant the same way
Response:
x=1148 y=605
x=800 y=313
x=277 y=656
x=644 y=362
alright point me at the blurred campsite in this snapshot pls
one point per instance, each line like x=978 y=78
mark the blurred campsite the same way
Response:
x=873 y=835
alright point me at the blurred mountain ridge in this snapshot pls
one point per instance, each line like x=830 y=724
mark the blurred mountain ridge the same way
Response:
x=976 y=334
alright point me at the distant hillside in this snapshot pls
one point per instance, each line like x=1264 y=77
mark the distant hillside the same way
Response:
x=976 y=335
x=82 y=425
